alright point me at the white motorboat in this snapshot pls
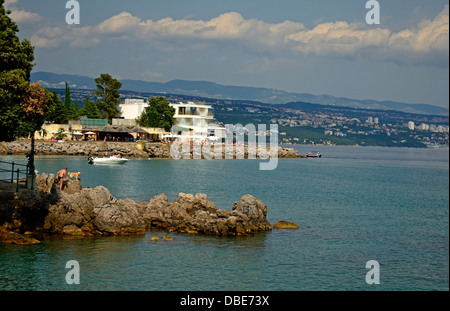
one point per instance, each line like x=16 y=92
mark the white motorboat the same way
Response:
x=314 y=154
x=107 y=160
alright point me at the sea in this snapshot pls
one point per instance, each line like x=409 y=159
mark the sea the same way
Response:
x=370 y=219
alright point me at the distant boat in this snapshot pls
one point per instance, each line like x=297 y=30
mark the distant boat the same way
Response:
x=107 y=160
x=314 y=154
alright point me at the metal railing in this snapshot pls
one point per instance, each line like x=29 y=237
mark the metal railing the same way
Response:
x=14 y=173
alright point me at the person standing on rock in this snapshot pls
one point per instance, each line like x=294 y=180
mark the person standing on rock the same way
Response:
x=61 y=175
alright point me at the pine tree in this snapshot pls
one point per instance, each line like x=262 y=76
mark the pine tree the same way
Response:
x=108 y=89
x=90 y=109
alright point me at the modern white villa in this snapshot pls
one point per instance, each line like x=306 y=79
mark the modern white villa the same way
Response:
x=192 y=121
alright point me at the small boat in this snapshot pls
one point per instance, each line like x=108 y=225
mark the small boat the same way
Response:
x=314 y=154
x=107 y=160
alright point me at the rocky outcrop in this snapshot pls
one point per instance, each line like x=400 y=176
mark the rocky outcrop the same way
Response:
x=9 y=237
x=284 y=153
x=95 y=212
x=196 y=214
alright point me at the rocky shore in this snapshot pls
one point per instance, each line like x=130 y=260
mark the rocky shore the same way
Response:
x=128 y=149
x=78 y=211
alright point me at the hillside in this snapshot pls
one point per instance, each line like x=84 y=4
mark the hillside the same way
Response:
x=218 y=91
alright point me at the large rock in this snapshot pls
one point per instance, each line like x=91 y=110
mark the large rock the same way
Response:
x=48 y=183
x=197 y=214
x=94 y=211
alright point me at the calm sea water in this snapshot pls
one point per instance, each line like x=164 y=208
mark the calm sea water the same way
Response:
x=353 y=205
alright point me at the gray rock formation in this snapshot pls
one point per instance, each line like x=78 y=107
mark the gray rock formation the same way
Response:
x=95 y=212
x=196 y=214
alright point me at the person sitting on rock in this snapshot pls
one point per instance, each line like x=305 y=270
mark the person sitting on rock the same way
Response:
x=61 y=175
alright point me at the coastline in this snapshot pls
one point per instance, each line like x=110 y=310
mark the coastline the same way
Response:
x=128 y=149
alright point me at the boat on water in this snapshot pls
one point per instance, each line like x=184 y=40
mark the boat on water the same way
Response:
x=107 y=160
x=314 y=154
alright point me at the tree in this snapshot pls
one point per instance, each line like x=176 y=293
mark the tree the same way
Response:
x=54 y=110
x=158 y=113
x=16 y=62
x=90 y=109
x=72 y=109
x=33 y=103
x=108 y=89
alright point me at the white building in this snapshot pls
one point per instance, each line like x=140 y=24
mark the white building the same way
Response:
x=191 y=120
x=411 y=125
x=424 y=127
x=132 y=108
x=194 y=121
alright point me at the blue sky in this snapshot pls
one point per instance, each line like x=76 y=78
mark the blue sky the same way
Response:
x=318 y=47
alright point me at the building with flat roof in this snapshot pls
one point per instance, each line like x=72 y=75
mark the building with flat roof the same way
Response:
x=132 y=108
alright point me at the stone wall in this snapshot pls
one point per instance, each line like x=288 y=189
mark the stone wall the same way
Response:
x=127 y=149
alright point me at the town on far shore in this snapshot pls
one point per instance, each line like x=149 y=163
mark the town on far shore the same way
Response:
x=299 y=123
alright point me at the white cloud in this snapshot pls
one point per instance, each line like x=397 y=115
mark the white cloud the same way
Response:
x=24 y=17
x=428 y=43
x=19 y=15
x=9 y=3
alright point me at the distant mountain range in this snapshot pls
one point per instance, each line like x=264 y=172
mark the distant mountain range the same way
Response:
x=214 y=90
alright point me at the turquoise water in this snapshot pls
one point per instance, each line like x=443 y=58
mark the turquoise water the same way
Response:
x=353 y=205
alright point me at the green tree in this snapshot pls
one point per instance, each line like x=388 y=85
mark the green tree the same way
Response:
x=108 y=89
x=158 y=113
x=16 y=62
x=67 y=102
x=90 y=109
x=72 y=109
x=54 y=110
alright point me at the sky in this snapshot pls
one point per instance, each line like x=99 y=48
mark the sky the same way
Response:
x=317 y=47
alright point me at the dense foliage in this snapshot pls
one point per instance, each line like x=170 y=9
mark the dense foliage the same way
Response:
x=108 y=89
x=21 y=103
x=158 y=113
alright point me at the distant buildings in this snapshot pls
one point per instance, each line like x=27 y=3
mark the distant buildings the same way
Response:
x=411 y=125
